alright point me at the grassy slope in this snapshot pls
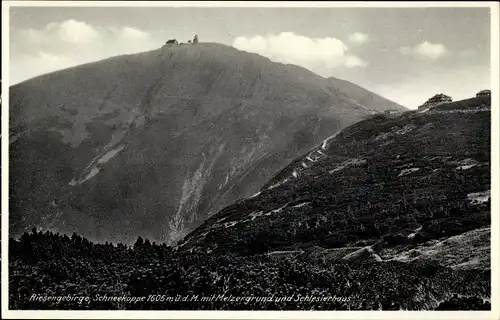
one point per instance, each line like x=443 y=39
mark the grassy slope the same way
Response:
x=363 y=96
x=381 y=178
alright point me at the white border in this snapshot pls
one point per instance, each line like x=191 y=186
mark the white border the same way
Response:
x=495 y=190
x=258 y=4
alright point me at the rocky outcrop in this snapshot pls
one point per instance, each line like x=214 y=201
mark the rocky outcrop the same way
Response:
x=392 y=111
x=366 y=253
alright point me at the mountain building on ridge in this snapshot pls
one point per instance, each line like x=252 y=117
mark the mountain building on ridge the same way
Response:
x=484 y=93
x=436 y=100
x=175 y=42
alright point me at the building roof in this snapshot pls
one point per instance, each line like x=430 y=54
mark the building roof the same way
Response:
x=439 y=97
x=484 y=91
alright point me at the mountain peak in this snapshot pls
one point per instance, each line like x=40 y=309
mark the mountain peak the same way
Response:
x=153 y=143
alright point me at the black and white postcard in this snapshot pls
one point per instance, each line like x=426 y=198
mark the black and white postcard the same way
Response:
x=250 y=159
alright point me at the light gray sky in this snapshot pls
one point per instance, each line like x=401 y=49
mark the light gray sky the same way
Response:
x=404 y=54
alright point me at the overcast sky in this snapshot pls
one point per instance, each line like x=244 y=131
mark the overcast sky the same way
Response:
x=404 y=54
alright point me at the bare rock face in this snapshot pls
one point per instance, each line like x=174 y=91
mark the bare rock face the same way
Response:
x=152 y=144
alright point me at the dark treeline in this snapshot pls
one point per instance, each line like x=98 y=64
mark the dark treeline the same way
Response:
x=55 y=265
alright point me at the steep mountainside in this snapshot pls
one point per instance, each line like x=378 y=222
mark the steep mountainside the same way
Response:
x=362 y=96
x=401 y=187
x=153 y=143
